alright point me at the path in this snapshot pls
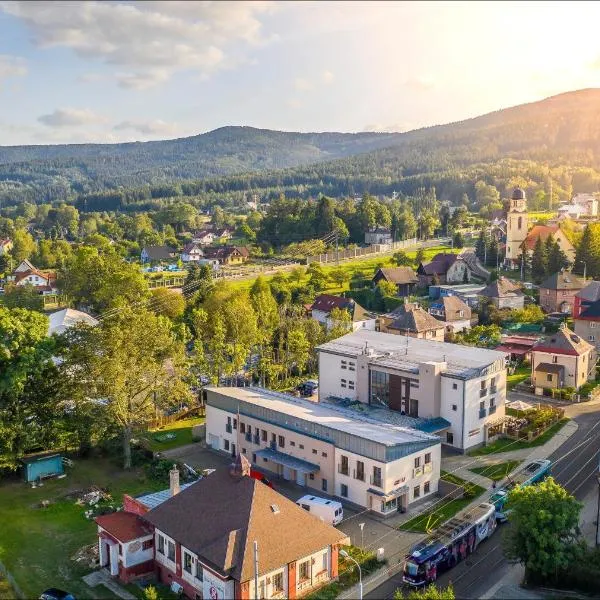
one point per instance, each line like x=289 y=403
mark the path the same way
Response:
x=102 y=577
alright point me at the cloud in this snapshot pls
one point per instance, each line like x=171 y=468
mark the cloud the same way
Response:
x=12 y=66
x=422 y=83
x=327 y=77
x=303 y=85
x=147 y=127
x=148 y=40
x=71 y=117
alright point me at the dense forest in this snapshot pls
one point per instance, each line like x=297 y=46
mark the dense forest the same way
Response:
x=527 y=145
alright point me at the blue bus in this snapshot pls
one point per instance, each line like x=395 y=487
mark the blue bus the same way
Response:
x=532 y=473
x=449 y=544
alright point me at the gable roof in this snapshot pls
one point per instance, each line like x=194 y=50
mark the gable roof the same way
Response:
x=66 y=318
x=453 y=305
x=416 y=320
x=591 y=313
x=474 y=264
x=223 y=252
x=24 y=265
x=564 y=341
x=501 y=288
x=563 y=280
x=231 y=511
x=124 y=526
x=591 y=292
x=543 y=231
x=159 y=252
x=191 y=247
x=398 y=275
x=438 y=265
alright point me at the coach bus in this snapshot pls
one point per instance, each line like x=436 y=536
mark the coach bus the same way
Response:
x=449 y=544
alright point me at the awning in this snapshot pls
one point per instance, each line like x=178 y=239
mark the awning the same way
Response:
x=432 y=425
x=288 y=461
x=390 y=495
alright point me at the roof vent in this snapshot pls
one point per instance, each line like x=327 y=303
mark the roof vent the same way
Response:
x=275 y=508
x=575 y=339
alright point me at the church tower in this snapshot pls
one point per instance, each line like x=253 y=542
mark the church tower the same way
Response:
x=516 y=227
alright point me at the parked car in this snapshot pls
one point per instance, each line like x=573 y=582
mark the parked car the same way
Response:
x=56 y=594
x=308 y=388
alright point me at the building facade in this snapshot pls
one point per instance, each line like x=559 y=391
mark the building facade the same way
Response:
x=326 y=448
x=464 y=387
x=516 y=227
x=587 y=324
x=557 y=292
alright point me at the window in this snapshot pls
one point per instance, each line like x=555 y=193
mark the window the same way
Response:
x=344 y=364
x=426 y=487
x=593 y=324
x=555 y=359
x=549 y=377
x=147 y=544
x=277 y=581
x=483 y=385
x=303 y=571
x=428 y=458
x=350 y=385
x=301 y=446
x=376 y=479
x=187 y=562
x=351 y=367
x=343 y=383
x=417 y=462
x=380 y=388
x=492 y=402
x=311 y=476
x=171 y=551
x=449 y=438
x=454 y=407
x=235 y=423
x=265 y=459
x=360 y=470
x=281 y=441
x=417 y=491
x=273 y=438
x=324 y=454
x=249 y=429
x=242 y=427
x=314 y=451
x=292 y=443
x=344 y=465
x=520 y=222
x=343 y=490
x=455 y=386
x=413 y=408
x=226 y=444
x=199 y=571
x=243 y=450
x=120 y=549
x=264 y=435
x=324 y=484
x=325 y=562
x=254 y=457
x=592 y=338
x=161 y=544
x=482 y=405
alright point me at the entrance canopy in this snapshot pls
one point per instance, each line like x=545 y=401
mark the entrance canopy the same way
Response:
x=391 y=495
x=288 y=461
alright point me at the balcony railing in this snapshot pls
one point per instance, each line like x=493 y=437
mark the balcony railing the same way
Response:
x=360 y=475
x=273 y=445
x=483 y=393
x=228 y=428
x=481 y=413
x=343 y=469
x=248 y=437
x=376 y=481
x=256 y=439
x=492 y=410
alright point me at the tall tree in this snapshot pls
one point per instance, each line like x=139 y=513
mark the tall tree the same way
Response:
x=481 y=247
x=23 y=245
x=539 y=261
x=557 y=259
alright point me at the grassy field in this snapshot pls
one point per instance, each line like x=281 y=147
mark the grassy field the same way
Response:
x=519 y=376
x=172 y=435
x=505 y=445
x=445 y=509
x=498 y=471
x=36 y=543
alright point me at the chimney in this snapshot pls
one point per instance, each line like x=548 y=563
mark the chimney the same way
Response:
x=174 y=481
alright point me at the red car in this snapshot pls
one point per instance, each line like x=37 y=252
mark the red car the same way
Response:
x=258 y=475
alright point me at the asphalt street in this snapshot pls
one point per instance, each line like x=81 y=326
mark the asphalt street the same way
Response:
x=575 y=467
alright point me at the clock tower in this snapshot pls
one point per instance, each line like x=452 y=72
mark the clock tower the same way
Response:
x=516 y=227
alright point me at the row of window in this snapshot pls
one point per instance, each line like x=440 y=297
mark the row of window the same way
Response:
x=348 y=365
x=349 y=384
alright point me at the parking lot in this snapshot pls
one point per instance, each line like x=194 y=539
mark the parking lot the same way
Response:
x=376 y=532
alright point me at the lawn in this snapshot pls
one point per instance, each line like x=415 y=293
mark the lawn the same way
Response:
x=36 y=544
x=506 y=445
x=172 y=435
x=444 y=510
x=498 y=471
x=519 y=376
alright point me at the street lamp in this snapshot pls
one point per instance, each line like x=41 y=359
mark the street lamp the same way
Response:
x=362 y=535
x=360 y=586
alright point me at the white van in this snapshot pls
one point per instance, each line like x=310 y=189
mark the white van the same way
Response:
x=329 y=511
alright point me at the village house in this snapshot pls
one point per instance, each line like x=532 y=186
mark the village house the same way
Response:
x=227 y=255
x=205 y=237
x=503 y=293
x=588 y=204
x=586 y=297
x=66 y=318
x=325 y=303
x=412 y=320
x=557 y=292
x=517 y=347
x=545 y=231
x=587 y=323
x=24 y=266
x=5 y=246
x=455 y=314
x=199 y=538
x=404 y=278
x=448 y=268
x=27 y=274
x=379 y=235
x=157 y=254
x=192 y=252
x=562 y=360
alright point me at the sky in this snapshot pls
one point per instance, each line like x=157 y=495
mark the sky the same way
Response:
x=124 y=71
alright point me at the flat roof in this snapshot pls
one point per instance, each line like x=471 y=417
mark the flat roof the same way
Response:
x=408 y=353
x=339 y=419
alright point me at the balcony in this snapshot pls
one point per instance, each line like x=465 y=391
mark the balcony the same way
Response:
x=492 y=410
x=273 y=445
x=228 y=428
x=483 y=393
x=493 y=390
x=360 y=475
x=343 y=469
x=256 y=439
x=482 y=413
x=376 y=481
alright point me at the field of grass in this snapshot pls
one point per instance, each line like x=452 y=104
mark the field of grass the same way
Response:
x=498 y=471
x=36 y=544
x=519 y=376
x=172 y=435
x=505 y=445
x=445 y=509
x=534 y=216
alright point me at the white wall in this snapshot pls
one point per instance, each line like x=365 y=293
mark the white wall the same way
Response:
x=131 y=559
x=162 y=558
x=331 y=374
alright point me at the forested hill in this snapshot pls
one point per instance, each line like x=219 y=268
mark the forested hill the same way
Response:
x=563 y=129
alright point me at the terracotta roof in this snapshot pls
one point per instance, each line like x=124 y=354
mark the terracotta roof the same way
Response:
x=563 y=280
x=439 y=264
x=501 y=288
x=564 y=341
x=231 y=511
x=415 y=320
x=124 y=526
x=452 y=307
x=326 y=303
x=398 y=275
x=540 y=231
x=590 y=292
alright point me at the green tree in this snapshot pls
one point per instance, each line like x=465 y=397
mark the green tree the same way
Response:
x=539 y=261
x=557 y=259
x=402 y=259
x=481 y=247
x=419 y=257
x=339 y=276
x=22 y=296
x=387 y=288
x=317 y=277
x=150 y=593
x=544 y=528
x=23 y=245
x=167 y=302
x=587 y=255
x=431 y=592
x=458 y=240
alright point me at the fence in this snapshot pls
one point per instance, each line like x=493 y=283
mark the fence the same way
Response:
x=374 y=249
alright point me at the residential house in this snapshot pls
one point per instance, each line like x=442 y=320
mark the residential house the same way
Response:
x=570 y=211
x=44 y=283
x=404 y=278
x=412 y=320
x=467 y=292
x=66 y=318
x=586 y=297
x=517 y=347
x=587 y=323
x=557 y=292
x=326 y=448
x=325 y=303
x=5 y=246
x=545 y=231
x=379 y=235
x=588 y=204
x=205 y=237
x=459 y=390
x=443 y=268
x=200 y=540
x=157 y=254
x=223 y=234
x=192 y=252
x=227 y=255
x=562 y=359
x=503 y=293
x=455 y=314
x=24 y=266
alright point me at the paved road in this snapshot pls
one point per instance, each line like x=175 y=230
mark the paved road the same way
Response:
x=576 y=464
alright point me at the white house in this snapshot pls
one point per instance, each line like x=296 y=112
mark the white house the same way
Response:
x=461 y=389
x=204 y=237
x=380 y=235
x=192 y=253
x=325 y=447
x=325 y=303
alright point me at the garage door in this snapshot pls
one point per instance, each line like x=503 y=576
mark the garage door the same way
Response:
x=214 y=441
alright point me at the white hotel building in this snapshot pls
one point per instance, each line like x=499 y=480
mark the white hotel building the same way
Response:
x=458 y=390
x=328 y=448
